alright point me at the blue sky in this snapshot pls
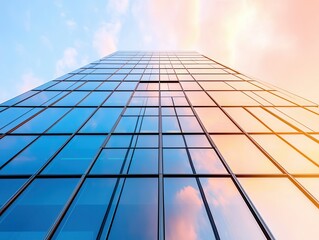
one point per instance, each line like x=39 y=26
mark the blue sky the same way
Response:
x=275 y=41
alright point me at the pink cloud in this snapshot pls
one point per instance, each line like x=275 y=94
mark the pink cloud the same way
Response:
x=276 y=41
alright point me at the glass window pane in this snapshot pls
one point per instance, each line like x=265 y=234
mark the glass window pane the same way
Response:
x=13 y=121
x=108 y=86
x=147 y=141
x=176 y=161
x=119 y=141
x=102 y=121
x=71 y=99
x=245 y=120
x=185 y=214
x=190 y=124
x=170 y=124
x=311 y=184
x=287 y=157
x=94 y=99
x=242 y=155
x=118 y=99
x=19 y=98
x=288 y=213
x=149 y=124
x=11 y=145
x=197 y=141
x=42 y=98
x=271 y=121
x=199 y=99
x=9 y=187
x=76 y=156
x=136 y=212
x=232 y=98
x=230 y=212
x=110 y=161
x=206 y=161
x=128 y=125
x=173 y=141
x=144 y=161
x=32 y=158
x=42 y=201
x=43 y=121
x=84 y=218
x=72 y=121
x=215 y=121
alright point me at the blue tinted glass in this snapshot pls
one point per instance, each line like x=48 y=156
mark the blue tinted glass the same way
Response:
x=11 y=145
x=89 y=86
x=185 y=214
x=110 y=161
x=95 y=77
x=108 y=86
x=12 y=114
x=136 y=215
x=64 y=86
x=168 y=111
x=127 y=125
x=118 y=99
x=173 y=141
x=46 y=85
x=144 y=161
x=149 y=124
x=102 y=121
x=33 y=157
x=41 y=98
x=127 y=86
x=18 y=98
x=85 y=216
x=170 y=124
x=71 y=99
x=76 y=156
x=176 y=161
x=147 y=141
x=117 y=77
x=43 y=121
x=131 y=77
x=72 y=121
x=8 y=188
x=19 y=120
x=133 y=111
x=42 y=201
x=119 y=141
x=94 y=99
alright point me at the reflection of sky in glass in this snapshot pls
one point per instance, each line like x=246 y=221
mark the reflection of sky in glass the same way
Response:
x=287 y=212
x=136 y=215
x=231 y=214
x=185 y=214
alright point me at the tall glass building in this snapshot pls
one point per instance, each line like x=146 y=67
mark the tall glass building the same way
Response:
x=158 y=145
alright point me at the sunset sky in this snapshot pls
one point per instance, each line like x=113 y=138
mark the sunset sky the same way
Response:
x=273 y=41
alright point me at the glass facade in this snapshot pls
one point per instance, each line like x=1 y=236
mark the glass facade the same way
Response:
x=158 y=145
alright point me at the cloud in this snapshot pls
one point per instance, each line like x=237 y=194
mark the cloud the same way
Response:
x=105 y=38
x=182 y=224
x=277 y=41
x=71 y=23
x=117 y=6
x=68 y=62
x=29 y=81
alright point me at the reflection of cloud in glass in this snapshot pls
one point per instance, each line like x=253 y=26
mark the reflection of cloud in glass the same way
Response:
x=185 y=215
x=231 y=215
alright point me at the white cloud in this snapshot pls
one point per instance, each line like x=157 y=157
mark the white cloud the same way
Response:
x=68 y=62
x=71 y=23
x=117 y=6
x=106 y=37
x=29 y=81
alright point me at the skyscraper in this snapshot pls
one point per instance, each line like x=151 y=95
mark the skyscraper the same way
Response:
x=158 y=145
